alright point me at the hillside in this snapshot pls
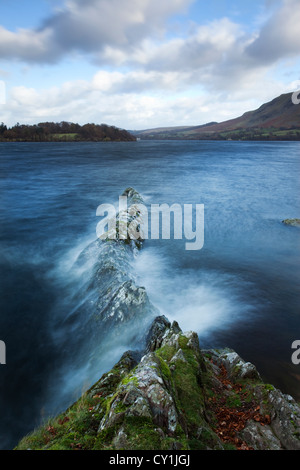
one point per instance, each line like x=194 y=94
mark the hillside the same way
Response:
x=278 y=119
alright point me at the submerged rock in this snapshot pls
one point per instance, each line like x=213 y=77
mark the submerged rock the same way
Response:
x=129 y=224
x=292 y=222
x=173 y=395
x=111 y=302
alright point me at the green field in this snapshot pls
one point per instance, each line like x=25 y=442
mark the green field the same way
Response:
x=64 y=137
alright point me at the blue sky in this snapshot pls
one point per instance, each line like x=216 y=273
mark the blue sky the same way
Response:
x=139 y=64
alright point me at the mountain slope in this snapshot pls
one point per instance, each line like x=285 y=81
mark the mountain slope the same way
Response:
x=277 y=119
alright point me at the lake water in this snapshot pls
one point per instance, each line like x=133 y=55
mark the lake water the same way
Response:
x=241 y=290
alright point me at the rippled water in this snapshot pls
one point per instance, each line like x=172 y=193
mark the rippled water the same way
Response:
x=241 y=290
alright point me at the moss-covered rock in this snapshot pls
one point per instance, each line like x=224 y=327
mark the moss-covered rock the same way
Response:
x=173 y=395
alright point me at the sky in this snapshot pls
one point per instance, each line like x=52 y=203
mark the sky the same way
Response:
x=140 y=64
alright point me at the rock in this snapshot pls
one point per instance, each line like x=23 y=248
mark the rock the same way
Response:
x=128 y=225
x=236 y=367
x=120 y=441
x=193 y=341
x=179 y=356
x=129 y=360
x=110 y=303
x=173 y=395
x=150 y=380
x=292 y=222
x=156 y=333
x=285 y=414
x=140 y=407
x=260 y=437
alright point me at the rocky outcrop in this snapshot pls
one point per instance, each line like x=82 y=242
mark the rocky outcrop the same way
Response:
x=110 y=303
x=174 y=396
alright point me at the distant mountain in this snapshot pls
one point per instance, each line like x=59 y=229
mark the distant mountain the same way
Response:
x=278 y=119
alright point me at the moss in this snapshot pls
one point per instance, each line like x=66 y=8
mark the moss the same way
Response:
x=107 y=435
x=195 y=444
x=141 y=433
x=269 y=387
x=183 y=341
x=130 y=379
x=164 y=369
x=170 y=443
x=37 y=440
x=184 y=381
x=166 y=352
x=68 y=441
x=77 y=426
x=193 y=387
x=120 y=408
x=236 y=370
x=233 y=401
x=206 y=440
x=189 y=393
x=228 y=446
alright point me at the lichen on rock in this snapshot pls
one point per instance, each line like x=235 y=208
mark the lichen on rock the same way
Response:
x=173 y=395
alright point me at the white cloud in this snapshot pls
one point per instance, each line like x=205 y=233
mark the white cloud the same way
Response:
x=279 y=37
x=27 y=45
x=134 y=100
x=90 y=26
x=2 y=92
x=212 y=71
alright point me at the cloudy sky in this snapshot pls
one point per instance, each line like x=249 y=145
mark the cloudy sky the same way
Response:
x=139 y=64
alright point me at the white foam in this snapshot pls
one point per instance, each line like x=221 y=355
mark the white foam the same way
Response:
x=202 y=301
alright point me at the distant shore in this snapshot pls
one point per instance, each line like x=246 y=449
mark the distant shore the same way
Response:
x=64 y=132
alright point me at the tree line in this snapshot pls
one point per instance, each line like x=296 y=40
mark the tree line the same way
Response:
x=63 y=131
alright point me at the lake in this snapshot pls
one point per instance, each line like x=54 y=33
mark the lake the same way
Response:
x=241 y=290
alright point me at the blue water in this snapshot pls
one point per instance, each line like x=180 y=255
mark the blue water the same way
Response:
x=241 y=290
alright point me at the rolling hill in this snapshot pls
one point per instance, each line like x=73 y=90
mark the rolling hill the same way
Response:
x=278 y=119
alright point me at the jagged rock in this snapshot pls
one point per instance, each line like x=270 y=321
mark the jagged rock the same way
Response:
x=167 y=400
x=156 y=333
x=133 y=196
x=193 y=341
x=179 y=356
x=129 y=360
x=235 y=366
x=260 y=437
x=285 y=418
x=110 y=303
